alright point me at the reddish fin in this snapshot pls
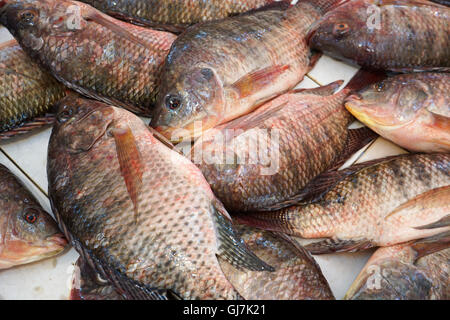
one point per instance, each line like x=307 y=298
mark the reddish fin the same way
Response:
x=130 y=162
x=431 y=199
x=324 y=91
x=331 y=246
x=255 y=81
x=102 y=19
x=313 y=59
x=439 y=121
x=362 y=79
x=426 y=246
x=254 y=119
x=441 y=223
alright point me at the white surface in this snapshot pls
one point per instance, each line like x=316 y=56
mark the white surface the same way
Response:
x=50 y=279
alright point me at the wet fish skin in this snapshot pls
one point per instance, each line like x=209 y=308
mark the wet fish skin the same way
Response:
x=90 y=52
x=218 y=71
x=139 y=213
x=305 y=134
x=174 y=15
x=296 y=277
x=27 y=232
x=374 y=206
x=393 y=273
x=26 y=91
x=411 y=35
x=412 y=110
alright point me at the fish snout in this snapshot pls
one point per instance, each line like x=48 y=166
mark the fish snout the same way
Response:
x=58 y=239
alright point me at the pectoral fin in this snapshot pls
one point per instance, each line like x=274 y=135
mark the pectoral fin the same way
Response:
x=426 y=246
x=88 y=285
x=130 y=161
x=257 y=80
x=233 y=249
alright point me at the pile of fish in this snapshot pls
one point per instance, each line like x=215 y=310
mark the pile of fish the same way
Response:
x=206 y=202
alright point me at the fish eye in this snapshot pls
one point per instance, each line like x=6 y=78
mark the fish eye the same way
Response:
x=379 y=86
x=207 y=73
x=28 y=17
x=65 y=115
x=340 y=29
x=173 y=102
x=31 y=215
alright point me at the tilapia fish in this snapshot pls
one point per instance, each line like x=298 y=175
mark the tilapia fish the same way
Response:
x=26 y=92
x=410 y=271
x=90 y=52
x=218 y=71
x=139 y=213
x=27 y=232
x=397 y=200
x=174 y=15
x=271 y=154
x=412 y=110
x=296 y=277
x=398 y=35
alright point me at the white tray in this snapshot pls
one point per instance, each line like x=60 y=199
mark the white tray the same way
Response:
x=50 y=279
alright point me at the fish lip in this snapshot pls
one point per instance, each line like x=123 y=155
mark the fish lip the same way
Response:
x=58 y=239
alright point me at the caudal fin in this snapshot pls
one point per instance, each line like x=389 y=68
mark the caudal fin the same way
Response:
x=364 y=78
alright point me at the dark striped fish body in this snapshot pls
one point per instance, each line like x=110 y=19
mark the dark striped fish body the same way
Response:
x=26 y=91
x=218 y=71
x=139 y=213
x=397 y=200
x=296 y=277
x=90 y=52
x=174 y=15
x=271 y=154
x=395 y=273
x=389 y=35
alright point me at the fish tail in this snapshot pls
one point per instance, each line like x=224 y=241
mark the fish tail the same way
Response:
x=279 y=221
x=362 y=79
x=324 y=5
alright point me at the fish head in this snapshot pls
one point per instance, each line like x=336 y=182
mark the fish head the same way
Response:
x=81 y=123
x=389 y=103
x=30 y=21
x=342 y=33
x=190 y=104
x=30 y=233
x=391 y=280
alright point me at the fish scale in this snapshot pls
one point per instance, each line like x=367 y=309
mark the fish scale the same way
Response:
x=312 y=132
x=377 y=190
x=168 y=239
x=222 y=70
x=26 y=91
x=174 y=15
x=394 y=273
x=410 y=36
x=103 y=58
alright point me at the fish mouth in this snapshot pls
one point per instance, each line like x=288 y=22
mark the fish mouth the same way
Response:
x=354 y=105
x=23 y=252
x=58 y=240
